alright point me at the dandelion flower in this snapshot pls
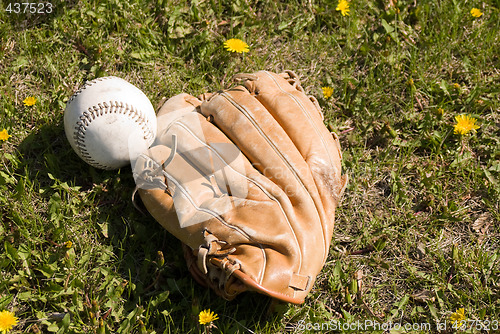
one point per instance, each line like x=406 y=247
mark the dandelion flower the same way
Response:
x=476 y=12
x=236 y=45
x=4 y=135
x=459 y=315
x=29 y=101
x=456 y=85
x=327 y=92
x=7 y=321
x=68 y=244
x=206 y=317
x=465 y=124
x=343 y=7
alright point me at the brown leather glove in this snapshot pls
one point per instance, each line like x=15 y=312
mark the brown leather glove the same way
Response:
x=248 y=179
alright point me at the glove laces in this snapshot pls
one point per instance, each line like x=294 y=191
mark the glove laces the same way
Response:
x=213 y=248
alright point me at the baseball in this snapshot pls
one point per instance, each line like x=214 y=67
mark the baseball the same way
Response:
x=109 y=122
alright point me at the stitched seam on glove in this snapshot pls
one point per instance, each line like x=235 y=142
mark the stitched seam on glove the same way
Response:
x=305 y=111
x=285 y=161
x=308 y=116
x=259 y=185
x=213 y=213
x=263 y=134
x=210 y=212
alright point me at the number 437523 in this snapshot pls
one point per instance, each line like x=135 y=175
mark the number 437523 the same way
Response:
x=29 y=7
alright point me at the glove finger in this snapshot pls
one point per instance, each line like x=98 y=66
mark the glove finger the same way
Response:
x=250 y=126
x=298 y=115
x=207 y=177
x=247 y=123
x=178 y=117
x=172 y=109
x=211 y=190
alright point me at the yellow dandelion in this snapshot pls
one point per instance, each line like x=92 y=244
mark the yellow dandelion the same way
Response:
x=327 y=92
x=68 y=244
x=29 y=101
x=476 y=12
x=343 y=7
x=465 y=124
x=206 y=317
x=236 y=45
x=458 y=315
x=4 y=135
x=7 y=321
x=456 y=85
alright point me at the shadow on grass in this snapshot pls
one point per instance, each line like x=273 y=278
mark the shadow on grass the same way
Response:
x=136 y=240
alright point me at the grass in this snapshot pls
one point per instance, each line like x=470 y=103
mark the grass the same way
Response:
x=417 y=234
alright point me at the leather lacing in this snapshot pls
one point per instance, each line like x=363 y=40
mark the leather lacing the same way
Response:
x=150 y=177
x=288 y=75
x=151 y=173
x=293 y=79
x=214 y=248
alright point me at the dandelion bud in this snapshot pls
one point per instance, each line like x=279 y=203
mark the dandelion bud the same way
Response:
x=387 y=128
x=348 y=295
x=354 y=286
x=160 y=259
x=93 y=319
x=102 y=327
x=142 y=328
x=95 y=307
x=454 y=252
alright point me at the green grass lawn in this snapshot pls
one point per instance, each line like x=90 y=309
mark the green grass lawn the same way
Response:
x=417 y=234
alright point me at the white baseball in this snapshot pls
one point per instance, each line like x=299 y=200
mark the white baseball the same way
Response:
x=109 y=122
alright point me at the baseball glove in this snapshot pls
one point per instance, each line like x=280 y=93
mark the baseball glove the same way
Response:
x=248 y=179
